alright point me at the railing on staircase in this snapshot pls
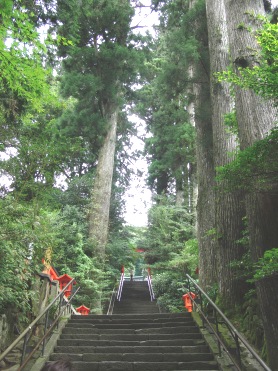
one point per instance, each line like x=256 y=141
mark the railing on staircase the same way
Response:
x=120 y=288
x=220 y=318
x=63 y=305
x=149 y=279
x=111 y=303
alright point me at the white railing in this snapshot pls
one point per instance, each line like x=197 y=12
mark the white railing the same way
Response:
x=149 y=279
x=120 y=289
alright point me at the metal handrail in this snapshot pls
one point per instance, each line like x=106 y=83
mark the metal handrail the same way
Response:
x=27 y=333
x=120 y=289
x=149 y=279
x=111 y=303
x=235 y=334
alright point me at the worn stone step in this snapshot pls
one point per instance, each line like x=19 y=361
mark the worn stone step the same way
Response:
x=170 y=325
x=137 y=329
x=126 y=307
x=94 y=343
x=109 y=320
x=159 y=316
x=134 y=349
x=144 y=366
x=129 y=337
x=134 y=357
x=135 y=310
x=135 y=307
x=129 y=323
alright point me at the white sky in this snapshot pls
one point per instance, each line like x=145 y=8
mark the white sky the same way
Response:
x=138 y=196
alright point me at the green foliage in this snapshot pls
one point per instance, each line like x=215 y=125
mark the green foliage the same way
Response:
x=169 y=228
x=169 y=289
x=26 y=233
x=186 y=260
x=250 y=321
x=102 y=61
x=230 y=122
x=169 y=284
x=255 y=168
x=171 y=251
x=21 y=51
x=70 y=255
x=121 y=250
x=267 y=266
x=39 y=152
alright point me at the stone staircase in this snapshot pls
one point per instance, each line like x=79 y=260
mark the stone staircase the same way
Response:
x=136 y=338
x=135 y=299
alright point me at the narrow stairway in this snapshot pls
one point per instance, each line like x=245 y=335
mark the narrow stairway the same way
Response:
x=131 y=341
x=135 y=299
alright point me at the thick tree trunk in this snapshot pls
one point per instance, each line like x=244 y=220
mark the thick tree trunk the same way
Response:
x=205 y=172
x=208 y=259
x=101 y=193
x=100 y=206
x=255 y=119
x=229 y=207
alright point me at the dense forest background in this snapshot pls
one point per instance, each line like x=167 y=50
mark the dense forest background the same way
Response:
x=205 y=83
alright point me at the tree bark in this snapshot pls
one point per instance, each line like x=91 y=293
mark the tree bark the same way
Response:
x=229 y=206
x=208 y=258
x=205 y=169
x=101 y=193
x=255 y=118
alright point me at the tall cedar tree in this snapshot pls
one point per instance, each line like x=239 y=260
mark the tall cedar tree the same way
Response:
x=255 y=117
x=199 y=90
x=97 y=70
x=229 y=207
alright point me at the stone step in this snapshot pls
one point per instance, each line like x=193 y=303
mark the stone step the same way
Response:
x=167 y=328
x=140 y=305
x=134 y=357
x=135 y=310
x=134 y=349
x=144 y=366
x=94 y=343
x=94 y=331
x=130 y=320
x=129 y=337
x=152 y=316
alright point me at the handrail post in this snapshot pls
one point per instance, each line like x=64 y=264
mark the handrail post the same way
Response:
x=218 y=332
x=45 y=329
x=24 y=347
x=238 y=350
x=188 y=284
x=59 y=309
x=202 y=306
